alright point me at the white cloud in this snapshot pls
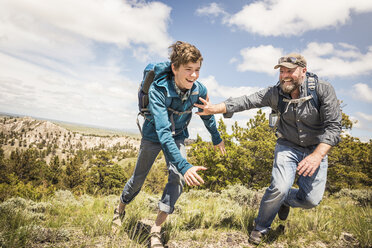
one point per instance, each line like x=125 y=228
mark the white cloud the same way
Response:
x=364 y=116
x=212 y=9
x=362 y=124
x=335 y=60
x=217 y=90
x=259 y=59
x=65 y=59
x=325 y=59
x=294 y=17
x=70 y=30
x=108 y=101
x=362 y=92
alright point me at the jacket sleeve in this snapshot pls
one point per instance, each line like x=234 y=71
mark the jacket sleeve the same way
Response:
x=209 y=120
x=330 y=113
x=264 y=98
x=163 y=128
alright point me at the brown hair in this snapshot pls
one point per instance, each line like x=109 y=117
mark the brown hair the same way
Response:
x=182 y=53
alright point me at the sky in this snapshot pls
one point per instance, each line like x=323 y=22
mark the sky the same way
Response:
x=82 y=61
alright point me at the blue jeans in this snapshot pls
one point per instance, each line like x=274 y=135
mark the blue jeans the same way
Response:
x=147 y=154
x=308 y=195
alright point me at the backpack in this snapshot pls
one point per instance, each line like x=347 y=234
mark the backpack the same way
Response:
x=143 y=100
x=143 y=90
x=311 y=83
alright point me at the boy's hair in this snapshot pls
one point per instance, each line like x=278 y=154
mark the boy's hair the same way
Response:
x=182 y=53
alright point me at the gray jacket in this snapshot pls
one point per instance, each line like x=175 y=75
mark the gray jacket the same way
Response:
x=301 y=125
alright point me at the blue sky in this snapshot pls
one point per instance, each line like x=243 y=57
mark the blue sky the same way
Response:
x=81 y=61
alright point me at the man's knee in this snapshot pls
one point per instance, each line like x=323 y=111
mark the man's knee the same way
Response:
x=311 y=202
x=278 y=191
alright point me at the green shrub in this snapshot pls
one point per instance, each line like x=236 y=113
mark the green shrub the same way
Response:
x=362 y=196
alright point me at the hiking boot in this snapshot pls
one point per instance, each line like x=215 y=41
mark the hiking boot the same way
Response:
x=155 y=238
x=255 y=237
x=283 y=212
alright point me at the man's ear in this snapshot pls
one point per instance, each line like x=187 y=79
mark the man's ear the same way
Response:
x=304 y=70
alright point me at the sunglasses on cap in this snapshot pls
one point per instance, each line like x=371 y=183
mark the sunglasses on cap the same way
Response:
x=292 y=60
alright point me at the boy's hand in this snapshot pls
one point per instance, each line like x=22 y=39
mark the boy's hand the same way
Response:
x=221 y=147
x=191 y=176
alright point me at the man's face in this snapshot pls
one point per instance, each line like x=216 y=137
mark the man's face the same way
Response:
x=186 y=75
x=291 y=79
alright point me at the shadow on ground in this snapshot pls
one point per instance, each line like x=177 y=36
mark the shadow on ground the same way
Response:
x=274 y=234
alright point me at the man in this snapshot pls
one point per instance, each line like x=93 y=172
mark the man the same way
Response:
x=305 y=135
x=172 y=95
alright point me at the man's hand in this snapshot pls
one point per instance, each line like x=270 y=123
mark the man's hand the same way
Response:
x=209 y=108
x=192 y=178
x=221 y=147
x=309 y=164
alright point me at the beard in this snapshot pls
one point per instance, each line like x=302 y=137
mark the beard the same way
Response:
x=288 y=85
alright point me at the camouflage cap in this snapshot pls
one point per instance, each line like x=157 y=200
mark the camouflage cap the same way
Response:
x=291 y=60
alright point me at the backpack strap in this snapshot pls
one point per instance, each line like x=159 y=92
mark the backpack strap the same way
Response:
x=143 y=95
x=149 y=78
x=311 y=83
x=281 y=104
x=312 y=96
x=178 y=113
x=137 y=121
x=173 y=112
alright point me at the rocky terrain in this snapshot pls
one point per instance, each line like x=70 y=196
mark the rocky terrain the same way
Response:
x=26 y=132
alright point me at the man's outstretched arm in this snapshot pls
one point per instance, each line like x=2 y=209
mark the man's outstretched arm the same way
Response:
x=209 y=108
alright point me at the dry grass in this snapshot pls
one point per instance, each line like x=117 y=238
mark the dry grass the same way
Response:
x=201 y=219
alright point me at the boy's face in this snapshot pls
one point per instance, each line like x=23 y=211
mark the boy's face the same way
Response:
x=186 y=75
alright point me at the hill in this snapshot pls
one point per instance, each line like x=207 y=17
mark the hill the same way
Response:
x=56 y=138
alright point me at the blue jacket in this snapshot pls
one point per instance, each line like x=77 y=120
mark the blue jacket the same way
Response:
x=158 y=127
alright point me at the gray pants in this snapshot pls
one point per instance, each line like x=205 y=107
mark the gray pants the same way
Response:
x=146 y=157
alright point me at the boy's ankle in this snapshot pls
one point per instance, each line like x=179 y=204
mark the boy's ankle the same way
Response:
x=121 y=207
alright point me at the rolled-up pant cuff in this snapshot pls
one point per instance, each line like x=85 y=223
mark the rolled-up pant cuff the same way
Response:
x=165 y=208
x=122 y=200
x=261 y=229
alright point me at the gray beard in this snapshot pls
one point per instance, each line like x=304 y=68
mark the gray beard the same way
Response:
x=288 y=89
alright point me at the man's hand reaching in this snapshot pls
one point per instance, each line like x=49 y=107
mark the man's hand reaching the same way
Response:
x=209 y=108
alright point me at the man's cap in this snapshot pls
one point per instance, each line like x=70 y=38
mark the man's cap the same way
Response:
x=291 y=60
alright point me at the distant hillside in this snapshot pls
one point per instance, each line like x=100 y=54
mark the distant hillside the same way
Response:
x=26 y=132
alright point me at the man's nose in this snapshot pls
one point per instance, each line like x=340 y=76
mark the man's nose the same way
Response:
x=285 y=74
